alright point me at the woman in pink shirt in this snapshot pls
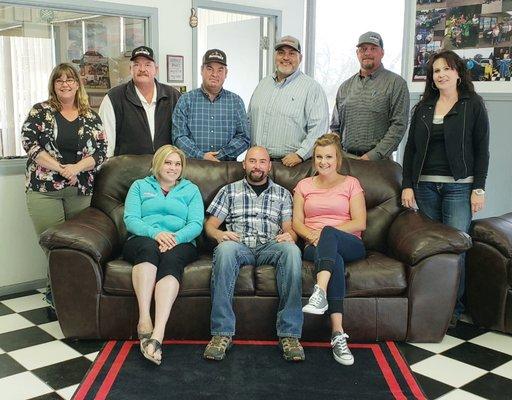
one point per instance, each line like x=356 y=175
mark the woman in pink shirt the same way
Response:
x=329 y=213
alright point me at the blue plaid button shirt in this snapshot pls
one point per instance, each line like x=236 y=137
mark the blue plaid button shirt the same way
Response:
x=201 y=125
x=256 y=219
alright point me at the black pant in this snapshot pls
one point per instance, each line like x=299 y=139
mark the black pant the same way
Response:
x=139 y=249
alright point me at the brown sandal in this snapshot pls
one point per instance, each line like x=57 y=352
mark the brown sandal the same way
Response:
x=157 y=346
x=143 y=337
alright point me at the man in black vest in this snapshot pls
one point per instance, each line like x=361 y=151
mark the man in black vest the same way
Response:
x=137 y=116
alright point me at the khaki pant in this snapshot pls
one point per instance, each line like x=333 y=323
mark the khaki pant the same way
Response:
x=48 y=209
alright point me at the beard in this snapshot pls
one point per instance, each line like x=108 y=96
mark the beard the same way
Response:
x=287 y=71
x=257 y=176
x=368 y=64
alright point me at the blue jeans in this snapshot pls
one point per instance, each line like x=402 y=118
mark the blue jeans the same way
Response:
x=449 y=203
x=334 y=249
x=229 y=256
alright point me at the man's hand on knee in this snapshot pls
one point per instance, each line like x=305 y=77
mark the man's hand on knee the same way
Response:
x=223 y=236
x=284 y=238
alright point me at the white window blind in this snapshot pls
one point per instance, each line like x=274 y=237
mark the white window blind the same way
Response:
x=25 y=67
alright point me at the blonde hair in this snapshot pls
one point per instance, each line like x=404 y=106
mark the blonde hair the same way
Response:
x=162 y=153
x=81 y=97
x=330 y=139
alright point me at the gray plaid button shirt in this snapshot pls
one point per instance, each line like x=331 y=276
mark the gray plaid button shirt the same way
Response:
x=256 y=219
x=372 y=113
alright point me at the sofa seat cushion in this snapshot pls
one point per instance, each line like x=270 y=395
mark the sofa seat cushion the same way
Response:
x=375 y=276
x=195 y=282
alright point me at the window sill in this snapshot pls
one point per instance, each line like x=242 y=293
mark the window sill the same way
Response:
x=13 y=166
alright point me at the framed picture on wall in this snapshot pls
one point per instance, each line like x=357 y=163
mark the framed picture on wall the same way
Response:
x=175 y=69
x=479 y=31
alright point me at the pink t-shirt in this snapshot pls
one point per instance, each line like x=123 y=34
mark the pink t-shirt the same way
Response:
x=328 y=207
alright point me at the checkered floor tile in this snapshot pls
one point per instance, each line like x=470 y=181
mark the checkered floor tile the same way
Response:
x=36 y=362
x=470 y=363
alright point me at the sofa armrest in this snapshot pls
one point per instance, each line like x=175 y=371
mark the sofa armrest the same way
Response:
x=91 y=232
x=496 y=232
x=413 y=237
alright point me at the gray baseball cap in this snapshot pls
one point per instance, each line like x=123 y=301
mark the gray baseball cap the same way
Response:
x=371 y=38
x=288 y=41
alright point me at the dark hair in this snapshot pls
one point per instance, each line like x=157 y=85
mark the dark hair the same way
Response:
x=454 y=62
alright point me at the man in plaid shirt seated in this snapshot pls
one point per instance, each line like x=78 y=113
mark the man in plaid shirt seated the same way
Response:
x=210 y=122
x=258 y=217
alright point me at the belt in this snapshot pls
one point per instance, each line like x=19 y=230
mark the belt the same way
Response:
x=357 y=153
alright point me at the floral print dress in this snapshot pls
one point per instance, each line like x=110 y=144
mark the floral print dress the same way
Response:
x=39 y=133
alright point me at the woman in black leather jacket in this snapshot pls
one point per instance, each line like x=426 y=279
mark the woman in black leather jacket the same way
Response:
x=447 y=153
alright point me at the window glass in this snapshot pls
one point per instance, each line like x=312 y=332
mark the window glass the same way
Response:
x=338 y=27
x=33 y=40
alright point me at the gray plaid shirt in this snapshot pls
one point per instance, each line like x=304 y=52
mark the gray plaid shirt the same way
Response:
x=256 y=219
x=371 y=113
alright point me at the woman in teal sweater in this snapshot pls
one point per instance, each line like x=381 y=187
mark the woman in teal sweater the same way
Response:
x=164 y=214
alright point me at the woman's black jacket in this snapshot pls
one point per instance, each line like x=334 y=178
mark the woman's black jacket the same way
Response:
x=466 y=134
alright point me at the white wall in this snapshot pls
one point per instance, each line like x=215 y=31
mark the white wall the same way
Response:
x=21 y=259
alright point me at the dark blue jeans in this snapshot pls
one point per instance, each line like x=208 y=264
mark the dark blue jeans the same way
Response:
x=334 y=249
x=449 y=203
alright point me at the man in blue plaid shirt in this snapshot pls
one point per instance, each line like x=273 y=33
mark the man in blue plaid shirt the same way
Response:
x=210 y=123
x=258 y=217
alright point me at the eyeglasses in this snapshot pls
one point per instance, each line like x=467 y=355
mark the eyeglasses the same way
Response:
x=60 y=82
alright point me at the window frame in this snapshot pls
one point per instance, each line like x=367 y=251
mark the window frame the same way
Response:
x=233 y=8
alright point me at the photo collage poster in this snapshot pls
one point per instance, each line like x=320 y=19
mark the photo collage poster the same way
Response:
x=479 y=31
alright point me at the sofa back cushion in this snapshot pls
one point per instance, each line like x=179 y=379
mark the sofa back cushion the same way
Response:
x=381 y=181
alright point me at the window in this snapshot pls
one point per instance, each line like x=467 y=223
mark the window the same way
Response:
x=246 y=34
x=33 y=40
x=337 y=29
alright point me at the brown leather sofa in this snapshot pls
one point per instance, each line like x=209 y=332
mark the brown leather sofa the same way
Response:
x=404 y=290
x=489 y=273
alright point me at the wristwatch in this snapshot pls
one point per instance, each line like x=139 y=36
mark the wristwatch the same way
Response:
x=479 y=192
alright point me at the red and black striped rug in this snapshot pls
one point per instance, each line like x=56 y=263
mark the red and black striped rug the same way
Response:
x=251 y=370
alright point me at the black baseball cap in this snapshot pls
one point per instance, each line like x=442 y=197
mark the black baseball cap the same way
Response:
x=142 y=51
x=215 y=55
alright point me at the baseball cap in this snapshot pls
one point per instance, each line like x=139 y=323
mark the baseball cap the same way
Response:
x=288 y=41
x=371 y=38
x=142 y=51
x=215 y=55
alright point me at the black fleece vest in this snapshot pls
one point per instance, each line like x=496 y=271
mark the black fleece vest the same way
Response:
x=132 y=127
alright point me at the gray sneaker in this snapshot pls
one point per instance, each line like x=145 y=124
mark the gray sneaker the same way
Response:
x=292 y=349
x=216 y=349
x=340 y=349
x=317 y=303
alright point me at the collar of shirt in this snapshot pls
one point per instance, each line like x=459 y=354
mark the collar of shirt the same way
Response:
x=374 y=74
x=143 y=99
x=249 y=188
x=286 y=80
x=208 y=97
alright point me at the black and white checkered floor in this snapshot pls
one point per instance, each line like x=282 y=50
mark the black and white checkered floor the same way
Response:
x=37 y=363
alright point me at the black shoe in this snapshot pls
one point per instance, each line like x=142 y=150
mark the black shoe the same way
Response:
x=453 y=321
x=48 y=298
